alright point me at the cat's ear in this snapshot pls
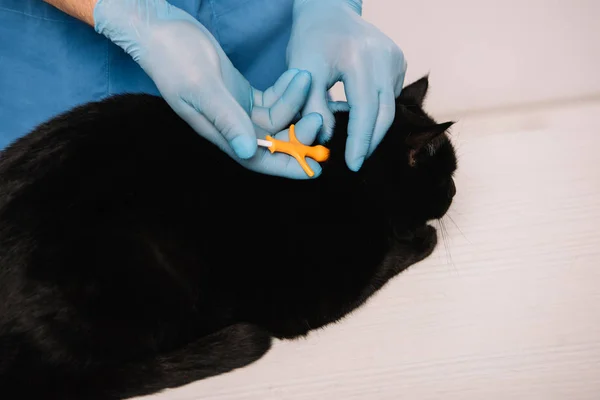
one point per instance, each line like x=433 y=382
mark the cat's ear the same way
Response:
x=426 y=137
x=416 y=92
x=417 y=140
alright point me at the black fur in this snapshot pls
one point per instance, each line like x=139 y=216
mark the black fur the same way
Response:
x=135 y=256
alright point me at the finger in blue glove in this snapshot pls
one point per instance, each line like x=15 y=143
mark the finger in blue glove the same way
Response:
x=332 y=41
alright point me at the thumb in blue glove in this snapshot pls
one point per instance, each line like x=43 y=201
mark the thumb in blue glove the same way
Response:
x=331 y=41
x=199 y=82
x=273 y=112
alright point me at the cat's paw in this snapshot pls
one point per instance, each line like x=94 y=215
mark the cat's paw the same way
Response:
x=424 y=241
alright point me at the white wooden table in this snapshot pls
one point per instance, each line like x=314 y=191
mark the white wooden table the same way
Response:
x=508 y=307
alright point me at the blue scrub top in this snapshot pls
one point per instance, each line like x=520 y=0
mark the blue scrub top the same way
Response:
x=51 y=62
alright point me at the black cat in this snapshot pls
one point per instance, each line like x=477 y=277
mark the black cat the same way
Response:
x=126 y=267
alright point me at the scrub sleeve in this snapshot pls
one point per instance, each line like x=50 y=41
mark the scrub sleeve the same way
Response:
x=51 y=62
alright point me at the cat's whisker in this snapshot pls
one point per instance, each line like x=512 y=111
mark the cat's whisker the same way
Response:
x=445 y=238
x=456 y=225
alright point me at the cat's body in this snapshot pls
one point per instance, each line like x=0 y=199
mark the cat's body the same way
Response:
x=135 y=256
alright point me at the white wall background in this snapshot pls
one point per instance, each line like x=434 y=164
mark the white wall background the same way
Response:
x=486 y=54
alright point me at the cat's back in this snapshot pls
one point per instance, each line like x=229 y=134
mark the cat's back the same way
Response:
x=102 y=146
x=95 y=131
x=89 y=177
x=91 y=206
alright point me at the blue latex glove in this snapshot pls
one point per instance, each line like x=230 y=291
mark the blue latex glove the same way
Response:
x=202 y=86
x=332 y=41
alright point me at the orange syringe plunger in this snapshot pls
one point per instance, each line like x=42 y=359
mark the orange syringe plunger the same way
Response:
x=299 y=150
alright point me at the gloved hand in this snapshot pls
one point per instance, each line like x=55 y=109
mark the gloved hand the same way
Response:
x=331 y=41
x=199 y=82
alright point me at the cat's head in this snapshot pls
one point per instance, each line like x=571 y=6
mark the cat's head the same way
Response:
x=409 y=177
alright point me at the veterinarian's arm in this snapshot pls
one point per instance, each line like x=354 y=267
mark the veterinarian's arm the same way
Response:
x=197 y=79
x=184 y=60
x=332 y=41
x=80 y=9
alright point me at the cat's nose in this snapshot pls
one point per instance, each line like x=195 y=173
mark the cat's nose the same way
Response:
x=451 y=189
